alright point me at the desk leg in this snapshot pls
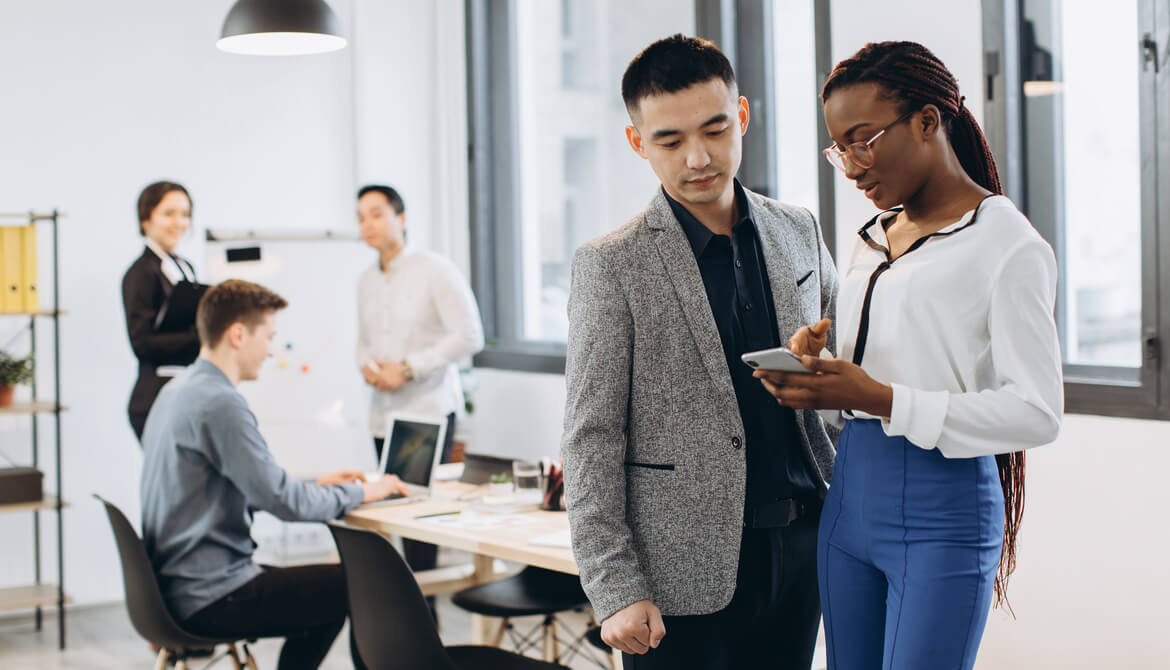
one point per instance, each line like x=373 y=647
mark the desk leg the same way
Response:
x=482 y=627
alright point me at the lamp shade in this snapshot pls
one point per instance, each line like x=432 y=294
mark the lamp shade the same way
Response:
x=280 y=28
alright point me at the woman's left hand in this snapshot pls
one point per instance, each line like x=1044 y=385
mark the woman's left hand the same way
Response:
x=834 y=384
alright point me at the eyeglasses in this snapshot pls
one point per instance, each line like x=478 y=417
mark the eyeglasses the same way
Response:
x=859 y=153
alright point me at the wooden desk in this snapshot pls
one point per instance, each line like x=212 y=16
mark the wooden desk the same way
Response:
x=510 y=544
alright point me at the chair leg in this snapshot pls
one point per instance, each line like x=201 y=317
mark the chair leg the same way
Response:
x=556 y=645
x=234 y=654
x=163 y=656
x=249 y=659
x=181 y=664
x=499 y=637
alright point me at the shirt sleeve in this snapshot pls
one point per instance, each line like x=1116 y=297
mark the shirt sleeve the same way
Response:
x=363 y=351
x=459 y=316
x=1025 y=404
x=593 y=444
x=237 y=449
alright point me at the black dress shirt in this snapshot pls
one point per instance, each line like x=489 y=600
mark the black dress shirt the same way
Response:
x=736 y=280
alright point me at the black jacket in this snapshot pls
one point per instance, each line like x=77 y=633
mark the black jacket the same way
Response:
x=144 y=290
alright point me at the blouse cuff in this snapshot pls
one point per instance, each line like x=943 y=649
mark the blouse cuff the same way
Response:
x=918 y=415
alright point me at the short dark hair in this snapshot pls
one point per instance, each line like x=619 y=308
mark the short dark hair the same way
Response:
x=672 y=64
x=233 y=301
x=392 y=196
x=152 y=195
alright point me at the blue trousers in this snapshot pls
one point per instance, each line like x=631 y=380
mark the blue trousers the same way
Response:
x=907 y=554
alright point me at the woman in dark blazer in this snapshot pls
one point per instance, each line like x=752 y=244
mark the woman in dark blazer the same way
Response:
x=164 y=216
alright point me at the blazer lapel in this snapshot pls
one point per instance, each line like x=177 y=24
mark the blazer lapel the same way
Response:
x=774 y=239
x=683 y=270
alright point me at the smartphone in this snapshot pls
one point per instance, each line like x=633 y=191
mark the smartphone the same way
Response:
x=779 y=358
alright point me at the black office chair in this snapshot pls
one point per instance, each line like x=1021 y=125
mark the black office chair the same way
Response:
x=537 y=592
x=149 y=613
x=390 y=620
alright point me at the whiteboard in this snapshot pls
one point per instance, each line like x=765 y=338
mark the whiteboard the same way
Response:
x=311 y=402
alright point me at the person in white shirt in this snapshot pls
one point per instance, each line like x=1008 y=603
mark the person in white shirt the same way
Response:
x=949 y=368
x=417 y=319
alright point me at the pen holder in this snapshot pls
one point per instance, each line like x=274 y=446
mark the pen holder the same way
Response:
x=554 y=491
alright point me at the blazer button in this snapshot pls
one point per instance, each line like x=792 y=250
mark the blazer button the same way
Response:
x=736 y=443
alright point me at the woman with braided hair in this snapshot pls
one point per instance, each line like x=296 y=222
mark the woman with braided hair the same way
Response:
x=949 y=368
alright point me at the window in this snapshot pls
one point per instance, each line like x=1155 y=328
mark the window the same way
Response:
x=1078 y=139
x=551 y=168
x=549 y=163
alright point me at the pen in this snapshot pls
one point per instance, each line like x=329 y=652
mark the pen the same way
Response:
x=428 y=516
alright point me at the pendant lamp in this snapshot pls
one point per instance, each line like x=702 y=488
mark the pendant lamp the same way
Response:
x=280 y=28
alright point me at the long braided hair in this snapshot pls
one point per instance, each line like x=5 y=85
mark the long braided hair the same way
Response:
x=911 y=74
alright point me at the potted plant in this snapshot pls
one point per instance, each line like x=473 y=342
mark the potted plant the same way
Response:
x=13 y=371
x=500 y=485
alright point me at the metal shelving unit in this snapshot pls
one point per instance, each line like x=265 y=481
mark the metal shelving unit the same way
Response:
x=42 y=594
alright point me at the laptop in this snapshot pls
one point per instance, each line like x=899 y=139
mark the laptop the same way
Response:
x=413 y=448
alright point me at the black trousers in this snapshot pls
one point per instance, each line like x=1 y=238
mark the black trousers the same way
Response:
x=772 y=620
x=306 y=605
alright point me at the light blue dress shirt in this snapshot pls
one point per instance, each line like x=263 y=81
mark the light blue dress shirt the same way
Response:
x=205 y=468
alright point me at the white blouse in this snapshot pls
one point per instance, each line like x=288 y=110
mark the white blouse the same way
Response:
x=420 y=310
x=962 y=328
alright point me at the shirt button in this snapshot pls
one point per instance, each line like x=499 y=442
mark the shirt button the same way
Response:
x=738 y=263
x=748 y=307
x=736 y=443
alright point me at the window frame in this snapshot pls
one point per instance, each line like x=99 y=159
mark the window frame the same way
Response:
x=740 y=27
x=1097 y=389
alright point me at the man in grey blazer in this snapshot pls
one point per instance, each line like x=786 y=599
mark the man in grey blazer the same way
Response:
x=693 y=496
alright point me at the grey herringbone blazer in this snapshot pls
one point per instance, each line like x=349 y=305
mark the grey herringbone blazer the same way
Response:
x=648 y=384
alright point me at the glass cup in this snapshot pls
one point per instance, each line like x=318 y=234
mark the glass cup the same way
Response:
x=526 y=480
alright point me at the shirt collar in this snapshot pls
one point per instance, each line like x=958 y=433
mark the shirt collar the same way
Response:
x=170 y=262
x=407 y=250
x=204 y=366
x=873 y=233
x=699 y=235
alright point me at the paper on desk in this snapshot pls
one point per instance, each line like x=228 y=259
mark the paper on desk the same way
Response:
x=557 y=539
x=473 y=521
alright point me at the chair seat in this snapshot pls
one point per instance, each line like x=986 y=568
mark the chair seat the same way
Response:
x=471 y=657
x=532 y=591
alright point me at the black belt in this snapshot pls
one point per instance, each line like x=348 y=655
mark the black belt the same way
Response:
x=778 y=514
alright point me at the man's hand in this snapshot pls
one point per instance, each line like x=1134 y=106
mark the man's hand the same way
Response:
x=383 y=487
x=341 y=477
x=635 y=629
x=390 y=378
x=810 y=340
x=837 y=384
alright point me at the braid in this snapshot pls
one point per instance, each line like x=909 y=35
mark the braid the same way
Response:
x=911 y=74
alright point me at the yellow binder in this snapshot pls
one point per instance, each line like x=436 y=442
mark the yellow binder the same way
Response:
x=11 y=272
x=31 y=302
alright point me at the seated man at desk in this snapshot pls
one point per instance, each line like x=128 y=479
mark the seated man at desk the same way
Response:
x=206 y=467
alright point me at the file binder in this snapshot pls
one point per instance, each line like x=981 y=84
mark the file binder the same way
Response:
x=32 y=301
x=11 y=270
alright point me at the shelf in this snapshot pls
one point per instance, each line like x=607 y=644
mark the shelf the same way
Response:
x=28 y=597
x=32 y=408
x=49 y=503
x=39 y=312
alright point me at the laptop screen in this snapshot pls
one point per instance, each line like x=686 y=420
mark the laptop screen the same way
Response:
x=412 y=446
